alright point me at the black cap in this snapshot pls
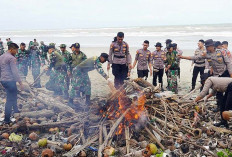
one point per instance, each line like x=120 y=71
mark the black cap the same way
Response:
x=174 y=45
x=22 y=44
x=105 y=55
x=168 y=41
x=217 y=43
x=169 y=46
x=158 y=44
x=75 y=45
x=51 y=47
x=209 y=42
x=225 y=42
x=204 y=77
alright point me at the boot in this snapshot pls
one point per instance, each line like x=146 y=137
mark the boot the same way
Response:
x=87 y=100
x=222 y=123
x=70 y=102
x=66 y=95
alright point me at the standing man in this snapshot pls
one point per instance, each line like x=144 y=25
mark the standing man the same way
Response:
x=36 y=61
x=35 y=43
x=143 y=57
x=199 y=66
x=22 y=60
x=9 y=76
x=158 y=59
x=44 y=50
x=81 y=81
x=1 y=47
x=120 y=59
x=68 y=61
x=57 y=79
x=225 y=48
x=171 y=69
x=219 y=62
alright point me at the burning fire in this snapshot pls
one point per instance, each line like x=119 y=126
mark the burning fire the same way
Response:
x=137 y=109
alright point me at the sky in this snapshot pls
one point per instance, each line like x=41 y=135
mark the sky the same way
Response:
x=71 y=14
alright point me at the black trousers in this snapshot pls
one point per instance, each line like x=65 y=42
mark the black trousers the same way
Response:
x=159 y=74
x=219 y=95
x=11 y=99
x=226 y=100
x=142 y=73
x=120 y=72
x=196 y=71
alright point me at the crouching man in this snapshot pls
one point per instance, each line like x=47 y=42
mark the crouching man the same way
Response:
x=218 y=84
x=80 y=79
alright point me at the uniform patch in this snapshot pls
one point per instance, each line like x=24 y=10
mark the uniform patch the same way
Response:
x=209 y=60
x=124 y=45
x=218 y=54
x=156 y=56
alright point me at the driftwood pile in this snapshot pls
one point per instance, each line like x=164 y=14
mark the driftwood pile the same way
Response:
x=123 y=124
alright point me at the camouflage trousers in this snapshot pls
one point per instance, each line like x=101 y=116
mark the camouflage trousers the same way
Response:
x=57 y=81
x=23 y=69
x=172 y=80
x=1 y=51
x=35 y=73
x=80 y=83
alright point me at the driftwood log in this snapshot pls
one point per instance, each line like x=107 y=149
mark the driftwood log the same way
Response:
x=37 y=114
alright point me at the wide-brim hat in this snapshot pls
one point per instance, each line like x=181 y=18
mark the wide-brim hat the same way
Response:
x=209 y=42
x=158 y=44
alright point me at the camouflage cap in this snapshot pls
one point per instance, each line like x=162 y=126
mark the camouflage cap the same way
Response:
x=62 y=46
x=52 y=44
x=76 y=45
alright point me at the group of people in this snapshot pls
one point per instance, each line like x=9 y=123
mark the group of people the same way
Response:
x=69 y=71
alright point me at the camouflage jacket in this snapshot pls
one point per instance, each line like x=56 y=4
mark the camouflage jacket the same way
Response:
x=67 y=59
x=56 y=61
x=77 y=59
x=91 y=64
x=22 y=57
x=172 y=60
x=35 y=57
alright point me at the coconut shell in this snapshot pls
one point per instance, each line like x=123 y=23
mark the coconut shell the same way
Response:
x=47 y=153
x=5 y=135
x=227 y=115
x=33 y=136
x=67 y=147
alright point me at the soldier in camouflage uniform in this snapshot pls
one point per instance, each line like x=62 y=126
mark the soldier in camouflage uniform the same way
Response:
x=36 y=60
x=1 y=47
x=22 y=60
x=44 y=49
x=81 y=81
x=77 y=55
x=57 y=79
x=171 y=68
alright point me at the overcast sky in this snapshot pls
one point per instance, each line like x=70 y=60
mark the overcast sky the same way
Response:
x=64 y=14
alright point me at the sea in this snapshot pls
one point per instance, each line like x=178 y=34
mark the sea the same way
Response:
x=186 y=36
